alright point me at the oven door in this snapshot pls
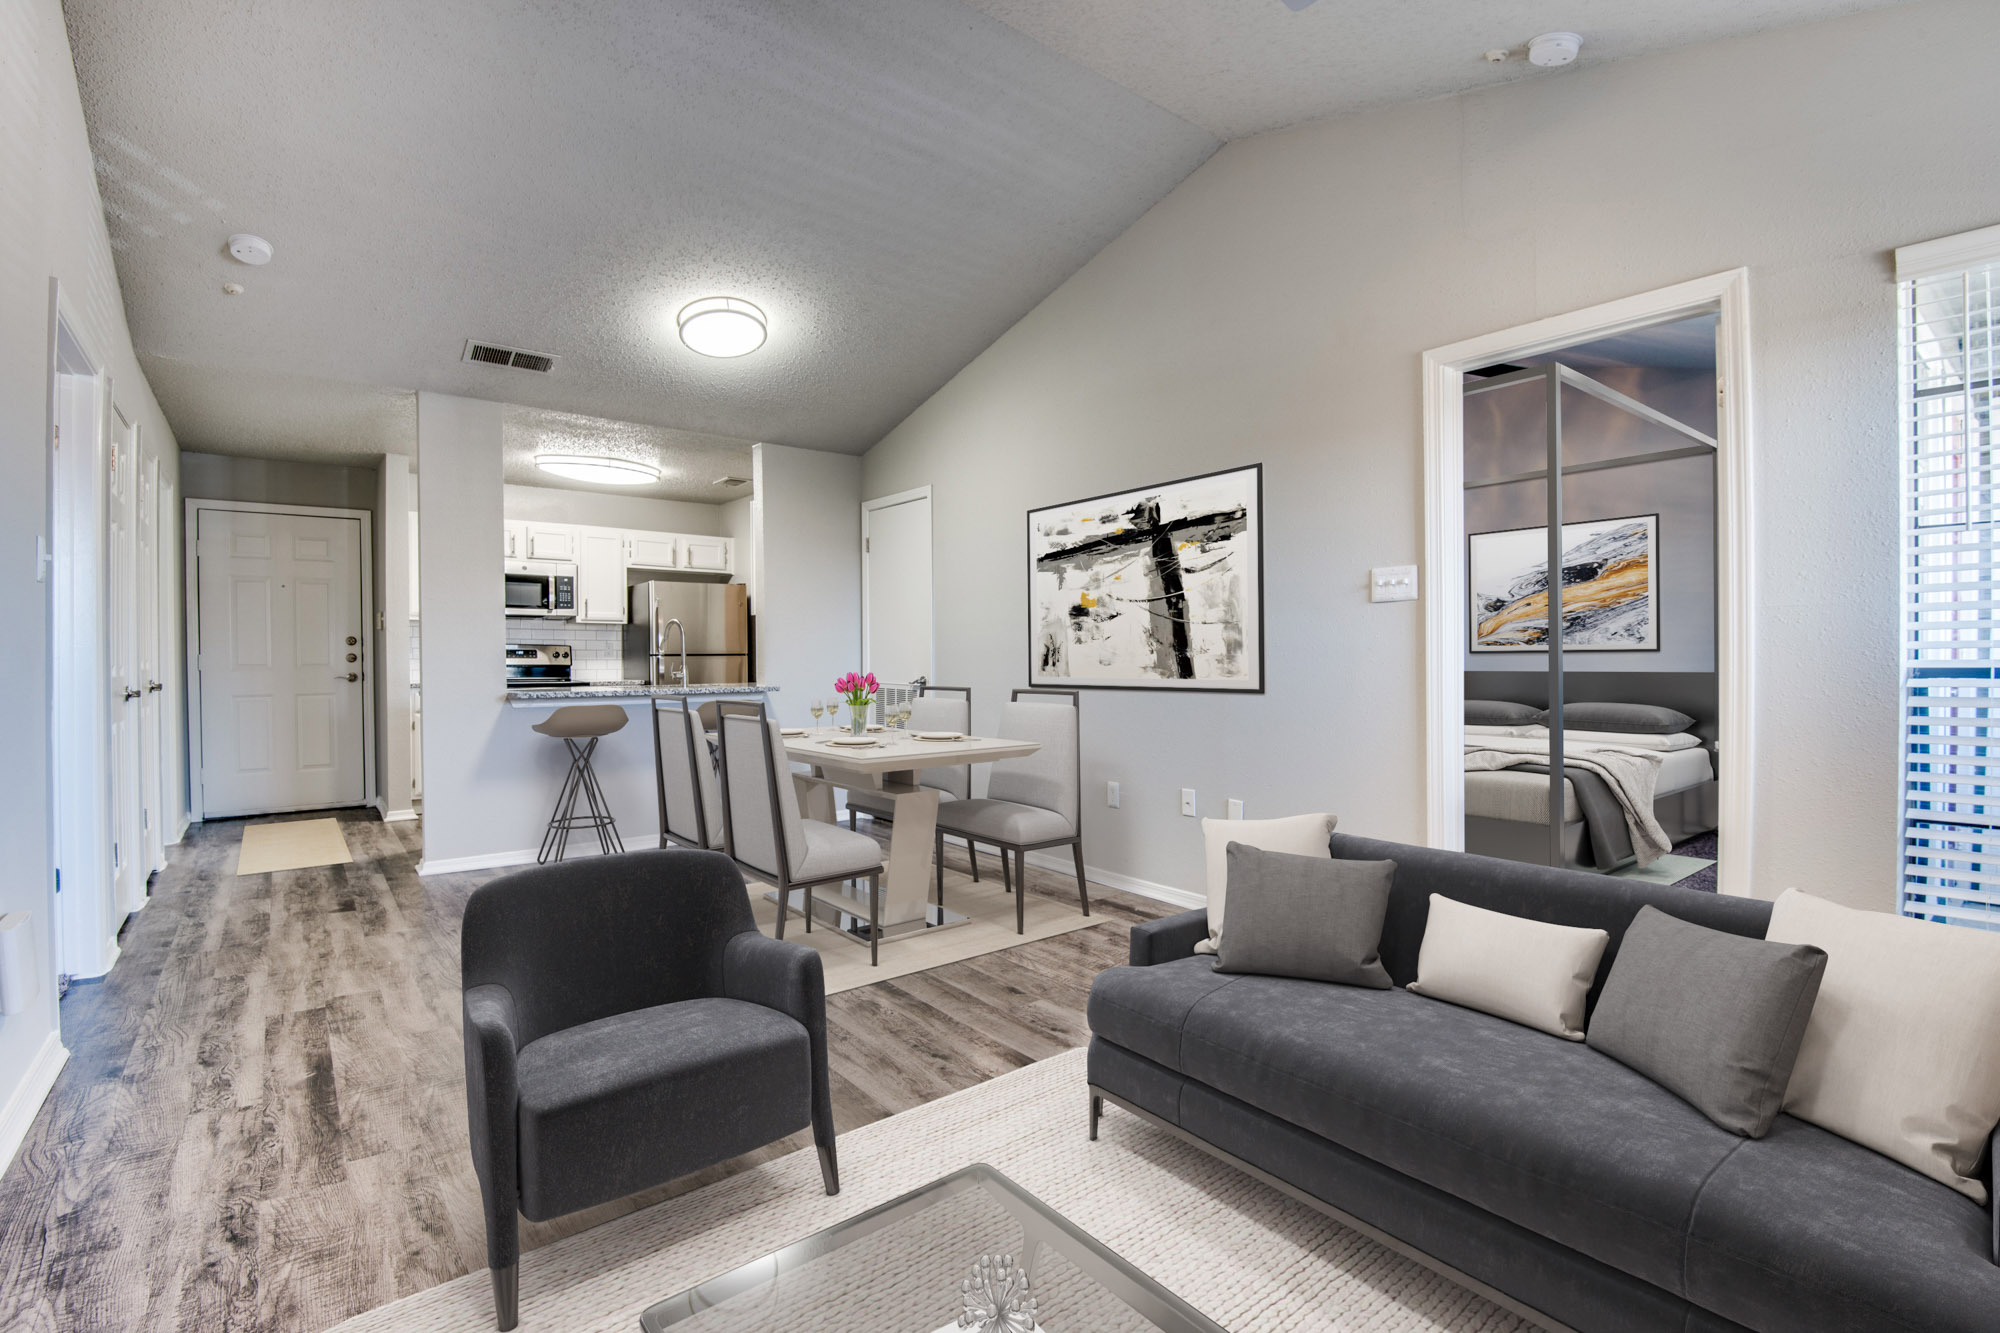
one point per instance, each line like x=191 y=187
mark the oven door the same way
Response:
x=530 y=594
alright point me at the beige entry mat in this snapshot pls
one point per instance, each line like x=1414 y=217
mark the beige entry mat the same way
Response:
x=990 y=929
x=291 y=845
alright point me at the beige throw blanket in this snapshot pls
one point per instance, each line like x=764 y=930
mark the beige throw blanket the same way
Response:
x=1633 y=776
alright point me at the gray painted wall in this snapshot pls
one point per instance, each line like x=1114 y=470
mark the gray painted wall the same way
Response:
x=279 y=481
x=1274 y=307
x=554 y=504
x=807 y=593
x=51 y=225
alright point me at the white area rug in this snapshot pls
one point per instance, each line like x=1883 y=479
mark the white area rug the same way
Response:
x=990 y=929
x=1247 y=1256
x=293 y=844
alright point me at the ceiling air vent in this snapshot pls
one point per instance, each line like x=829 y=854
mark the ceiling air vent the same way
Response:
x=493 y=354
x=732 y=481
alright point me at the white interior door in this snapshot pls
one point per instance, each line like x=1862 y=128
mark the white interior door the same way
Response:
x=281 y=661
x=128 y=881
x=146 y=584
x=896 y=641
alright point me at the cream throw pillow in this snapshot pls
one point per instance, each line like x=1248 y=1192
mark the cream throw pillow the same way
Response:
x=1902 y=1053
x=1530 y=972
x=1301 y=835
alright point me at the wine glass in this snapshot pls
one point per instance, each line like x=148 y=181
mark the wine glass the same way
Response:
x=833 y=712
x=818 y=710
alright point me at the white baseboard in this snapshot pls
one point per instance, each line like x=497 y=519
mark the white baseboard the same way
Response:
x=1111 y=879
x=398 y=816
x=18 y=1115
x=452 y=865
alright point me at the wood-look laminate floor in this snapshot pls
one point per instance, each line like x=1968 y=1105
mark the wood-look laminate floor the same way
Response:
x=262 y=1122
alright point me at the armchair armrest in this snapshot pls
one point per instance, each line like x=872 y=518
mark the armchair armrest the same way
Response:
x=492 y=1096
x=789 y=978
x=1168 y=938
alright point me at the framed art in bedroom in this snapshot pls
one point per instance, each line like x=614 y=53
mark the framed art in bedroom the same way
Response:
x=1610 y=587
x=1155 y=588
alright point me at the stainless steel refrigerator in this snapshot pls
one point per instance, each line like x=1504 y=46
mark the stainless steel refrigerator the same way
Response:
x=716 y=620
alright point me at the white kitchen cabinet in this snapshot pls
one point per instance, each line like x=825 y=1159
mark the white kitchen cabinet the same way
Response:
x=600 y=576
x=553 y=541
x=715 y=555
x=652 y=550
x=516 y=539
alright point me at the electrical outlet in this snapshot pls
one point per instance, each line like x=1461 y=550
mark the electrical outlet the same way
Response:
x=1235 y=808
x=1111 y=794
x=1187 y=801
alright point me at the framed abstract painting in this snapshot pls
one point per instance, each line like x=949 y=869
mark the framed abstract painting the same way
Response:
x=1157 y=588
x=1610 y=587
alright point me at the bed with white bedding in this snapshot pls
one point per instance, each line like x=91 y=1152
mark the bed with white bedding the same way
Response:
x=1649 y=792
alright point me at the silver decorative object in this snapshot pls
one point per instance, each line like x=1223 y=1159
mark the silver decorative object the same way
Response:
x=996 y=1297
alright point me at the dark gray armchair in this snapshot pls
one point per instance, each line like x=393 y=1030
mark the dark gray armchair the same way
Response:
x=626 y=1024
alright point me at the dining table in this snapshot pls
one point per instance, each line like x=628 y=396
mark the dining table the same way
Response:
x=892 y=766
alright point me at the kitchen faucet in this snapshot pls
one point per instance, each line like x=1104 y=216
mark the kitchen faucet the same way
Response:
x=682 y=675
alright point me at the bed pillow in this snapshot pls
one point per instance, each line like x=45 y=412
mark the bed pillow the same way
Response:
x=1644 y=719
x=1301 y=835
x=1902 y=1053
x=1529 y=972
x=1714 y=1018
x=1523 y=730
x=1500 y=713
x=1306 y=916
x=1631 y=740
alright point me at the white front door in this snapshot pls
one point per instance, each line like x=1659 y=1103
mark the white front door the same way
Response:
x=146 y=588
x=281 y=661
x=128 y=840
x=896 y=560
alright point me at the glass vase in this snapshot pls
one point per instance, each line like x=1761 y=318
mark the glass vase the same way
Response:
x=857 y=719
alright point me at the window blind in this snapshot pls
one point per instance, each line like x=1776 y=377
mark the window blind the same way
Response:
x=1951 y=594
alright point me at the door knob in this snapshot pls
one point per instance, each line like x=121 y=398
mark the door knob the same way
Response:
x=131 y=694
x=352 y=675
x=352 y=658
x=153 y=687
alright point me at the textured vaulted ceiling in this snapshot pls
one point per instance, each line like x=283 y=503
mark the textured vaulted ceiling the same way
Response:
x=895 y=181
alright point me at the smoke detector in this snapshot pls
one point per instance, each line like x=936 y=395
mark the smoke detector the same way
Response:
x=1554 y=48
x=247 y=249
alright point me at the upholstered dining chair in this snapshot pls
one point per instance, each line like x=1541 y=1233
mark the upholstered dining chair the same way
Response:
x=766 y=834
x=1030 y=803
x=626 y=1023
x=690 y=801
x=936 y=708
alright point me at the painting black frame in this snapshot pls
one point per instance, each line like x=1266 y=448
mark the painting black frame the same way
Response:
x=1653 y=577
x=1159 y=686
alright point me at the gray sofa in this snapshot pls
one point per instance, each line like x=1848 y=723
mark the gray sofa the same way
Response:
x=1548 y=1174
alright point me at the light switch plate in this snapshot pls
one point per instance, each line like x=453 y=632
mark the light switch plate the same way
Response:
x=1235 y=808
x=1111 y=795
x=1187 y=801
x=1392 y=583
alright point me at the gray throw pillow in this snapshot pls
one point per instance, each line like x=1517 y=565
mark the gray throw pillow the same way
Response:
x=1712 y=1017
x=1638 y=719
x=1305 y=916
x=1500 y=713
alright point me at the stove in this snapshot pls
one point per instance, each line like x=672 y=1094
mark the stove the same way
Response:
x=538 y=666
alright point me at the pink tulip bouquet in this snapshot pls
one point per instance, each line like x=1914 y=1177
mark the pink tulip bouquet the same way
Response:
x=858 y=688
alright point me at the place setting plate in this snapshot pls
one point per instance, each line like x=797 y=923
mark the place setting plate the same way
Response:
x=939 y=736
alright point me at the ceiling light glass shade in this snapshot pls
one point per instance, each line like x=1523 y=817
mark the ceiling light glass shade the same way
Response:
x=603 y=471
x=722 y=326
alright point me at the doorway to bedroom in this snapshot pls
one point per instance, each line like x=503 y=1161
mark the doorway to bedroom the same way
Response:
x=1579 y=720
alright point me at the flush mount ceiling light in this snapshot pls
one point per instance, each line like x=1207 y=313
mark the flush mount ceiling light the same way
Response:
x=603 y=471
x=722 y=326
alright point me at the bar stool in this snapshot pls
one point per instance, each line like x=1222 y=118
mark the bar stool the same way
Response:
x=588 y=723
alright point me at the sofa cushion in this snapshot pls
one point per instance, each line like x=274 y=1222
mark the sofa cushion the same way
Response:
x=1530 y=972
x=728 y=1076
x=1142 y=1008
x=1803 y=1229
x=1548 y=1134
x=1306 y=916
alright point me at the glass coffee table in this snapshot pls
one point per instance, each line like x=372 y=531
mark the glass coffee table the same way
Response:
x=973 y=1243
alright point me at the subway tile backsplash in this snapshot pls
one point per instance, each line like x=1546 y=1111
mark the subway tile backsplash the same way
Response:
x=596 y=652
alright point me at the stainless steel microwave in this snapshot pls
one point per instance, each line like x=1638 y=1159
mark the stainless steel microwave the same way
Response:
x=541 y=588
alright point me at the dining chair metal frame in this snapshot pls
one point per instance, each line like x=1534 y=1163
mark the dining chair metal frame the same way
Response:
x=924 y=688
x=1014 y=877
x=780 y=844
x=693 y=725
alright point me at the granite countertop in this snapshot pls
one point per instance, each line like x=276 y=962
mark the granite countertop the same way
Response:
x=630 y=689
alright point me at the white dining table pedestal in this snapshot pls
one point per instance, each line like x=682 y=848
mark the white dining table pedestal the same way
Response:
x=908 y=870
